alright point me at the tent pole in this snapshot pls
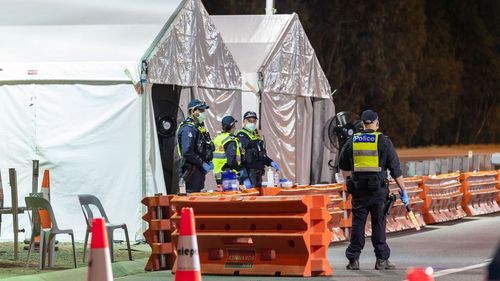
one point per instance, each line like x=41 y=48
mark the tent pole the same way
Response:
x=143 y=77
x=270 y=7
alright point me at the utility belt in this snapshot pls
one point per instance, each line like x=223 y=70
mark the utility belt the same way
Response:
x=366 y=185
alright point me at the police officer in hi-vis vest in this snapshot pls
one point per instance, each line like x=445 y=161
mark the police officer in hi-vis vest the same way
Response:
x=364 y=161
x=195 y=147
x=253 y=150
x=227 y=154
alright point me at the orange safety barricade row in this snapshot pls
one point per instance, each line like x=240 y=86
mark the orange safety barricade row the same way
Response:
x=158 y=234
x=442 y=198
x=259 y=235
x=480 y=192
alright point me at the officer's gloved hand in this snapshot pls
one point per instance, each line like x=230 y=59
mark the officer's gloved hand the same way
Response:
x=243 y=173
x=339 y=178
x=247 y=183
x=404 y=197
x=207 y=167
x=275 y=166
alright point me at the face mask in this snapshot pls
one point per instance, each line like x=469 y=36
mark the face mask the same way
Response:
x=250 y=126
x=201 y=117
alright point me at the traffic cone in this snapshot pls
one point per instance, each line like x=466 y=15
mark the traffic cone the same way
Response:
x=188 y=260
x=44 y=215
x=419 y=274
x=46 y=185
x=99 y=259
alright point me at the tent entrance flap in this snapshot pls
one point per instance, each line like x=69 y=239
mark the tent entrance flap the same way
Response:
x=168 y=115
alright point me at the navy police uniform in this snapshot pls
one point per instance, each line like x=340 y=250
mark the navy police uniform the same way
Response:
x=369 y=191
x=253 y=152
x=195 y=148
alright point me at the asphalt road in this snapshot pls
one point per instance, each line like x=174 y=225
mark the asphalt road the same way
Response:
x=457 y=251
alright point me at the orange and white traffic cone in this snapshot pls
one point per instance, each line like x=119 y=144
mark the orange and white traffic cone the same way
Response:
x=419 y=274
x=188 y=260
x=44 y=215
x=99 y=259
x=46 y=185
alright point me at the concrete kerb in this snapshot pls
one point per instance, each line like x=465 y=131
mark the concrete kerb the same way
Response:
x=120 y=269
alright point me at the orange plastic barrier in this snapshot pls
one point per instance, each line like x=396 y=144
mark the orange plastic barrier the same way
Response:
x=158 y=234
x=334 y=191
x=259 y=235
x=442 y=198
x=480 y=192
x=335 y=204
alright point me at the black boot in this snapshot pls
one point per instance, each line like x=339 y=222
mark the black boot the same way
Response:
x=353 y=265
x=384 y=264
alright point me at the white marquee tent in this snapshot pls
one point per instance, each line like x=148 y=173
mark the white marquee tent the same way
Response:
x=66 y=100
x=280 y=71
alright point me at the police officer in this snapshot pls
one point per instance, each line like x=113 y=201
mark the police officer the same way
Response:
x=227 y=153
x=364 y=161
x=254 y=155
x=195 y=147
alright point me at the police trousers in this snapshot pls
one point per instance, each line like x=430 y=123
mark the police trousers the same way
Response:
x=255 y=176
x=361 y=207
x=194 y=178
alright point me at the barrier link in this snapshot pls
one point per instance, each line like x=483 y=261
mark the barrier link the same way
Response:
x=480 y=192
x=158 y=234
x=442 y=198
x=259 y=235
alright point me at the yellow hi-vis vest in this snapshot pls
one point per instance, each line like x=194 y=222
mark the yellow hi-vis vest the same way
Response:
x=365 y=152
x=220 y=159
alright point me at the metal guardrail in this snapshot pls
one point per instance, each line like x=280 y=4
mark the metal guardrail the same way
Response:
x=469 y=163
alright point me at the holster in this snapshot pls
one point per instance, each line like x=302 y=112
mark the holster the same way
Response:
x=388 y=205
x=187 y=171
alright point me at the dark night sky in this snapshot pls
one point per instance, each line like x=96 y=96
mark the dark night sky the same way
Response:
x=430 y=68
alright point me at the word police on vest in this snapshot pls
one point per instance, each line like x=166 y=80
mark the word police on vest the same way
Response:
x=364 y=138
x=187 y=252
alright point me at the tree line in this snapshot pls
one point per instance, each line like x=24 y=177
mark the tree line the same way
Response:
x=431 y=68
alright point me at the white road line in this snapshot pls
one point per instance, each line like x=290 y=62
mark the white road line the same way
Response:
x=460 y=269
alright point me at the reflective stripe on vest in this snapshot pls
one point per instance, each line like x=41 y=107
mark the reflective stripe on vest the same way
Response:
x=365 y=152
x=220 y=153
x=183 y=123
x=252 y=135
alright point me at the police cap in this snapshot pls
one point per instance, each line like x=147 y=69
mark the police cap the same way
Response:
x=228 y=122
x=369 y=116
x=250 y=114
x=194 y=104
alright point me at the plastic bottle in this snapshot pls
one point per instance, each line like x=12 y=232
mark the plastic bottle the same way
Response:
x=270 y=177
x=182 y=186
x=277 y=179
